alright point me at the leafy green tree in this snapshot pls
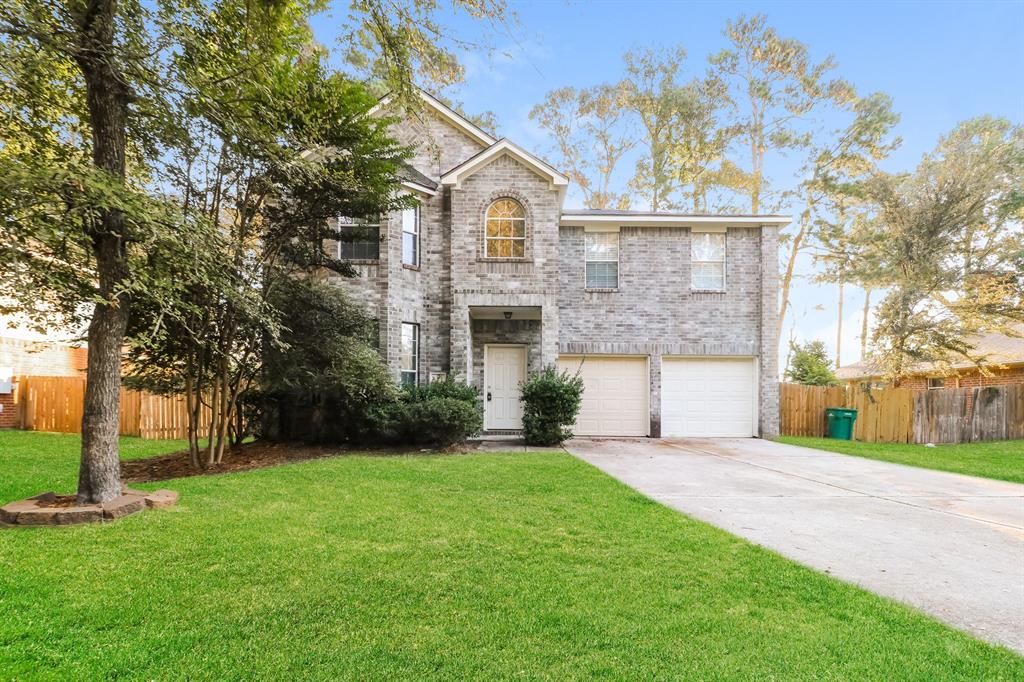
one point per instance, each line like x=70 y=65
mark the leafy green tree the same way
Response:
x=324 y=378
x=98 y=94
x=837 y=169
x=776 y=86
x=950 y=250
x=591 y=136
x=699 y=143
x=271 y=162
x=653 y=95
x=809 y=365
x=81 y=118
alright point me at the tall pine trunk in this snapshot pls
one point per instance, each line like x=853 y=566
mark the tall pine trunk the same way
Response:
x=839 y=323
x=107 y=98
x=864 y=324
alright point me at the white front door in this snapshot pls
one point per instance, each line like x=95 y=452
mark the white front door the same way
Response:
x=504 y=368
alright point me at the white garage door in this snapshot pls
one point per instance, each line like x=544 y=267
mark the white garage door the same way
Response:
x=708 y=397
x=615 y=392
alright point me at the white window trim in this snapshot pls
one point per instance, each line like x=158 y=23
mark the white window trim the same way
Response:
x=416 y=232
x=416 y=340
x=587 y=260
x=724 y=261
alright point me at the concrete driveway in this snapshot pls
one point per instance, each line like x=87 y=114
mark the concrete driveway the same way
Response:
x=950 y=545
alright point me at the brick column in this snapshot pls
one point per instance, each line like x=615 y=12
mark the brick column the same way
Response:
x=549 y=332
x=461 y=341
x=769 y=341
x=655 y=395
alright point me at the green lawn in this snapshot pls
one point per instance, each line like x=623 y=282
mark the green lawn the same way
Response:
x=479 y=566
x=29 y=461
x=1003 y=460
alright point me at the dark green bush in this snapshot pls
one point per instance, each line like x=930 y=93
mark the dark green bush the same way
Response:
x=443 y=388
x=439 y=413
x=551 y=401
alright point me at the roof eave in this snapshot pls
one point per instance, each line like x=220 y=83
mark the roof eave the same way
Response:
x=454 y=177
x=465 y=125
x=653 y=219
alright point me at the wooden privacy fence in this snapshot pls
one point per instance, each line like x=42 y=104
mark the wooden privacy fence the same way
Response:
x=56 y=404
x=899 y=415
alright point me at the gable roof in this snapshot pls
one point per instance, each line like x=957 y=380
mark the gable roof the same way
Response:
x=447 y=113
x=504 y=146
x=996 y=349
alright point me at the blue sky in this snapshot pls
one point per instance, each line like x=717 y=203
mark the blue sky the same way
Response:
x=941 y=62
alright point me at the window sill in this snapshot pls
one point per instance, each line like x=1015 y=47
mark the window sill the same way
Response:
x=406 y=266
x=484 y=259
x=601 y=290
x=707 y=291
x=361 y=261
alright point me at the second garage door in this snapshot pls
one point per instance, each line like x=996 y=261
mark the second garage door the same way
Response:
x=615 y=395
x=708 y=397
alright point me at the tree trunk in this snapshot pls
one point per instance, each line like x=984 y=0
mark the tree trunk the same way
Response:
x=864 y=324
x=107 y=97
x=787 y=276
x=839 y=325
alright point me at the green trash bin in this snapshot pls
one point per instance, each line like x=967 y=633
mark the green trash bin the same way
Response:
x=840 y=422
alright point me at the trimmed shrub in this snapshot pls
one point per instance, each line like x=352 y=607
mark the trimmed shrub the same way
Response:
x=440 y=413
x=443 y=388
x=551 y=401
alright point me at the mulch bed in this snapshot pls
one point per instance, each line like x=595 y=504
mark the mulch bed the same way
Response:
x=241 y=458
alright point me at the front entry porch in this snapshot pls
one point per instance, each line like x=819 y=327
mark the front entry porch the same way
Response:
x=504 y=345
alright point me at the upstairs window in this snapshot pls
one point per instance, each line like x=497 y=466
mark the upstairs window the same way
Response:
x=602 y=260
x=707 y=261
x=411 y=236
x=505 y=235
x=359 y=239
x=409 y=355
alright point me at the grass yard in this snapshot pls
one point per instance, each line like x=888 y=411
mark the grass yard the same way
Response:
x=1003 y=460
x=477 y=566
x=32 y=462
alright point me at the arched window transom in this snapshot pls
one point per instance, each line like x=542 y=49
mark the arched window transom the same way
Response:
x=505 y=235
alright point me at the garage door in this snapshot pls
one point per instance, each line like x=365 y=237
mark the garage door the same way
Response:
x=708 y=397
x=614 y=395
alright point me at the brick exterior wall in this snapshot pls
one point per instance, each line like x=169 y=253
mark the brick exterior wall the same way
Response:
x=36 y=358
x=652 y=313
x=971 y=379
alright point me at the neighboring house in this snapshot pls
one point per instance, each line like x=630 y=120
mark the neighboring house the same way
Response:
x=1003 y=363
x=22 y=357
x=670 y=318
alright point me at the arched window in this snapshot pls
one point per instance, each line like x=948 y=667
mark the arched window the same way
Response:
x=505 y=235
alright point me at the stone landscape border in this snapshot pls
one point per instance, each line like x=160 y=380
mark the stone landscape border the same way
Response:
x=49 y=509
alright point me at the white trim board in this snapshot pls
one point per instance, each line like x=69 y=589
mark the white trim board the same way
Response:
x=455 y=176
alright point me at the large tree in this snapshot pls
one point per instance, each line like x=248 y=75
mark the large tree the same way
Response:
x=653 y=95
x=838 y=168
x=950 y=248
x=272 y=162
x=88 y=85
x=776 y=85
x=75 y=214
x=591 y=134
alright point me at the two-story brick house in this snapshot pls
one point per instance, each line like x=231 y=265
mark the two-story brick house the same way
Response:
x=670 y=318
